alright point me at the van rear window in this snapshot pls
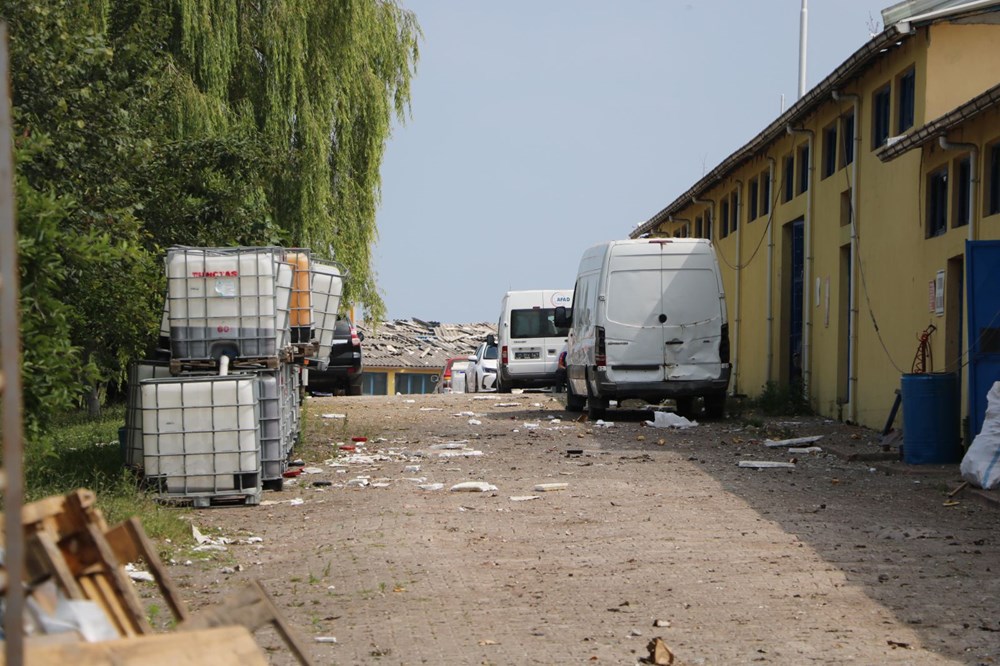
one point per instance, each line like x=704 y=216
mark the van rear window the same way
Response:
x=533 y=323
x=688 y=297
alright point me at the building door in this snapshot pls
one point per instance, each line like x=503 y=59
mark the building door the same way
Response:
x=796 y=296
x=983 y=271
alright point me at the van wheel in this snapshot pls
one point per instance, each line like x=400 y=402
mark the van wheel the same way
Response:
x=715 y=406
x=685 y=406
x=574 y=403
x=501 y=387
x=596 y=407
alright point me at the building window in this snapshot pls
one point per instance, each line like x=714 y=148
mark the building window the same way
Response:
x=803 y=168
x=789 y=177
x=963 y=185
x=765 y=193
x=408 y=383
x=829 y=150
x=907 y=95
x=754 y=192
x=708 y=224
x=847 y=132
x=697 y=228
x=724 y=218
x=880 y=116
x=994 y=167
x=937 y=202
x=374 y=383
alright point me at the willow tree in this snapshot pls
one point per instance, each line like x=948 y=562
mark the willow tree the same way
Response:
x=321 y=81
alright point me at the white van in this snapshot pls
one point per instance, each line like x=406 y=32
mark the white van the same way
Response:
x=530 y=343
x=648 y=321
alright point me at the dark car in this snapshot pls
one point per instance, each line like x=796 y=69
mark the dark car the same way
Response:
x=343 y=375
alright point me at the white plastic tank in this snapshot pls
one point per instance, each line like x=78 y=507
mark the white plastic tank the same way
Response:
x=137 y=372
x=201 y=435
x=327 y=289
x=231 y=301
x=274 y=418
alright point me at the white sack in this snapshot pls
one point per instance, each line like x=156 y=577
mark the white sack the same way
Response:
x=981 y=464
x=670 y=420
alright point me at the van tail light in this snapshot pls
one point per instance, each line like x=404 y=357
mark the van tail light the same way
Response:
x=562 y=361
x=724 y=344
x=600 y=353
x=355 y=340
x=503 y=354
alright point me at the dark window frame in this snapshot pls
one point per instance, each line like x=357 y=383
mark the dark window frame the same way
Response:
x=765 y=193
x=754 y=195
x=906 y=99
x=698 y=227
x=788 y=178
x=881 y=115
x=961 y=187
x=734 y=211
x=803 y=159
x=937 y=202
x=724 y=218
x=993 y=179
x=830 y=149
x=847 y=132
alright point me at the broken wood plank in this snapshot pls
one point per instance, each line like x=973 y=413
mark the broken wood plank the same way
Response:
x=222 y=646
x=129 y=543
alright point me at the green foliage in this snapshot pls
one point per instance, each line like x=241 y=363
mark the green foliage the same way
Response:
x=783 y=400
x=140 y=124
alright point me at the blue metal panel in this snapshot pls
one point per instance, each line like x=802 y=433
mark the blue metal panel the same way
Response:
x=983 y=281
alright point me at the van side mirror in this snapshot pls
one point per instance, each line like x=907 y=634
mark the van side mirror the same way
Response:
x=563 y=317
x=361 y=336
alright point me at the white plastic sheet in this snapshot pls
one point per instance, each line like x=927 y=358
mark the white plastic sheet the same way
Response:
x=981 y=463
x=670 y=420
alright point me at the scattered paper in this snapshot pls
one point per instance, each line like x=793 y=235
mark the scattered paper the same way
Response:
x=766 y=464
x=774 y=443
x=670 y=420
x=472 y=487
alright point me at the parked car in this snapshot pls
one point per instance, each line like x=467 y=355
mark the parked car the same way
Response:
x=481 y=374
x=343 y=374
x=453 y=375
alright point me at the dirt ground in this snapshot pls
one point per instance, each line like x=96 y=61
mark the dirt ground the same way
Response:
x=657 y=533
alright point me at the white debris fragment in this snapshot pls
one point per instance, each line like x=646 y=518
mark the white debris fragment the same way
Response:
x=465 y=414
x=412 y=468
x=431 y=486
x=775 y=443
x=359 y=482
x=548 y=487
x=430 y=409
x=670 y=420
x=475 y=422
x=472 y=487
x=312 y=470
x=766 y=464
x=805 y=449
x=530 y=426
x=380 y=484
x=326 y=639
x=524 y=498
x=296 y=501
x=136 y=574
x=254 y=539
x=601 y=423
x=465 y=453
x=507 y=404
x=485 y=397
x=460 y=444
x=334 y=416
x=410 y=400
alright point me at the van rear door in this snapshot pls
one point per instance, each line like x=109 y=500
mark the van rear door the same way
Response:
x=633 y=333
x=692 y=305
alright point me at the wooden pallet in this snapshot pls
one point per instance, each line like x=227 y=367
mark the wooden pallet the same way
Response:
x=180 y=366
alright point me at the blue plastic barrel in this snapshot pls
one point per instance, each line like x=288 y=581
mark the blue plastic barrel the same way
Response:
x=931 y=417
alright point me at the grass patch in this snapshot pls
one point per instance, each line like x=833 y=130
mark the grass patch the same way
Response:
x=783 y=400
x=80 y=452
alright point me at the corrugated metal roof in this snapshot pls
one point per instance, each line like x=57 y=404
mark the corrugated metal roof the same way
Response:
x=940 y=126
x=413 y=343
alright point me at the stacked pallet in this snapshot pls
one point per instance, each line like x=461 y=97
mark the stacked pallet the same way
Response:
x=82 y=604
x=214 y=421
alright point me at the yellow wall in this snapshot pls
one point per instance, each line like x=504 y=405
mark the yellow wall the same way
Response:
x=896 y=259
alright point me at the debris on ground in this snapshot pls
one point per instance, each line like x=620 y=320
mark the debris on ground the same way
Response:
x=549 y=487
x=766 y=464
x=795 y=441
x=670 y=420
x=472 y=487
x=659 y=653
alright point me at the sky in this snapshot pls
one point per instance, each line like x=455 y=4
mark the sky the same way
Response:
x=539 y=128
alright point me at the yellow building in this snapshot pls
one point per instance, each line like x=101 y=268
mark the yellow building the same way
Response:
x=840 y=228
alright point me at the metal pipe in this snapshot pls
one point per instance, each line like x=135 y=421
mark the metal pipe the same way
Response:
x=711 y=220
x=807 y=269
x=803 y=39
x=686 y=221
x=973 y=177
x=770 y=265
x=852 y=333
x=224 y=365
x=739 y=286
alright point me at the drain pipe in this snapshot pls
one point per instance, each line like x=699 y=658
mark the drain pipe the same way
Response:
x=671 y=218
x=852 y=342
x=770 y=264
x=711 y=222
x=973 y=177
x=224 y=365
x=807 y=269
x=739 y=286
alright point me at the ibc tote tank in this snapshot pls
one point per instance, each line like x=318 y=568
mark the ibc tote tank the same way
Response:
x=301 y=304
